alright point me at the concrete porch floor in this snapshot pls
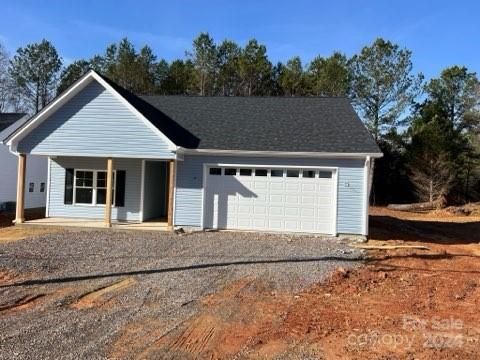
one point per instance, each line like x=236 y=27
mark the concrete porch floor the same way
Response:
x=90 y=223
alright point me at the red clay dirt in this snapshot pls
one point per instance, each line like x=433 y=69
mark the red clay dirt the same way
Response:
x=403 y=304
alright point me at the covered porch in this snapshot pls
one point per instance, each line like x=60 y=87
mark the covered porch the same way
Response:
x=91 y=192
x=151 y=225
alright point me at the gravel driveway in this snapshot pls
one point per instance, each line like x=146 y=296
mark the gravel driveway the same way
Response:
x=55 y=300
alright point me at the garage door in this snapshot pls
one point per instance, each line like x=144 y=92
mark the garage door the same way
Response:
x=277 y=199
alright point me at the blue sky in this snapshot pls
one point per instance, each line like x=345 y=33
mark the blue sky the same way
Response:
x=440 y=33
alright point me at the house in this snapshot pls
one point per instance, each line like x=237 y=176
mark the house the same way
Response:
x=36 y=176
x=251 y=163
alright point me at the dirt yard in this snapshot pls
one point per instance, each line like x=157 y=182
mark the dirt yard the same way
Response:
x=409 y=303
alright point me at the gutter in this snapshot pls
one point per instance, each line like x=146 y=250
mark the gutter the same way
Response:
x=337 y=155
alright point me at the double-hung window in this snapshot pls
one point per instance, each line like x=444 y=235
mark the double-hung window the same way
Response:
x=91 y=187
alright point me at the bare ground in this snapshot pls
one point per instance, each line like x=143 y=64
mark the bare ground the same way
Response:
x=97 y=294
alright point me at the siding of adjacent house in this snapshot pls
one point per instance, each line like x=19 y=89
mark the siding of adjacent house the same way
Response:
x=57 y=208
x=36 y=174
x=350 y=197
x=95 y=123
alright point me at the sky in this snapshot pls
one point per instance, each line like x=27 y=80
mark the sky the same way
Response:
x=439 y=33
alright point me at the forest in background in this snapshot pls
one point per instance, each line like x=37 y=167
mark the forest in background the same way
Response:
x=428 y=130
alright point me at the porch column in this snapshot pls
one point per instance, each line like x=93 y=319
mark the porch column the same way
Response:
x=20 y=210
x=171 y=188
x=108 y=197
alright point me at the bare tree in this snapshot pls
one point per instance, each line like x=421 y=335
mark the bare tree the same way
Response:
x=432 y=177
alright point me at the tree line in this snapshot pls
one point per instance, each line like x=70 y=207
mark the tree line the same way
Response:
x=427 y=130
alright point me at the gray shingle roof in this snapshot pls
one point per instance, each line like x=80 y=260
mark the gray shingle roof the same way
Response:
x=9 y=122
x=291 y=124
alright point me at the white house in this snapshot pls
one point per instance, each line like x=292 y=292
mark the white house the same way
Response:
x=37 y=168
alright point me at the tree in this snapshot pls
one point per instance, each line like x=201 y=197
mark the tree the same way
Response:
x=179 y=78
x=72 y=73
x=228 y=68
x=383 y=86
x=432 y=153
x=292 y=77
x=255 y=69
x=34 y=69
x=204 y=58
x=457 y=90
x=329 y=76
x=5 y=82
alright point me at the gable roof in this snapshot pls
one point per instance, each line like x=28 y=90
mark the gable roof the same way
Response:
x=261 y=124
x=9 y=122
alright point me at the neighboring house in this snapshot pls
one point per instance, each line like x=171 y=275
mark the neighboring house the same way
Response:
x=251 y=163
x=36 y=177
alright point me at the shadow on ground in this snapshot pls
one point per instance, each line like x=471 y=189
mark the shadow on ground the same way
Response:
x=176 y=269
x=393 y=228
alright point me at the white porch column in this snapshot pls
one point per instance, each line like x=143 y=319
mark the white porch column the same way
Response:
x=108 y=197
x=171 y=191
x=20 y=209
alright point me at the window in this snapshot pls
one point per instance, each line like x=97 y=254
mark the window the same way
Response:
x=293 y=173
x=31 y=187
x=84 y=187
x=245 y=172
x=261 y=172
x=276 y=173
x=42 y=187
x=102 y=188
x=91 y=187
x=325 y=174
x=215 y=171
x=308 y=173
x=231 y=172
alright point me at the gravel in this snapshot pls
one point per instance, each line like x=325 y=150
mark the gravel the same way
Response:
x=171 y=272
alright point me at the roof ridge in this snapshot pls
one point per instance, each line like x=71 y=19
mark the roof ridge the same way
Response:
x=246 y=97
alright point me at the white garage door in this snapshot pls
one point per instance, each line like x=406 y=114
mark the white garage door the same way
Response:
x=278 y=199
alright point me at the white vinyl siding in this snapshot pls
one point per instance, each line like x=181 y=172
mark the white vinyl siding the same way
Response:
x=36 y=173
x=95 y=123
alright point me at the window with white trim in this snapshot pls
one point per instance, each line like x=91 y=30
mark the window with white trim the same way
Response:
x=90 y=187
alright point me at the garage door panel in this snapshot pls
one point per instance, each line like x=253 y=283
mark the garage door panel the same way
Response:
x=307 y=212
x=291 y=211
x=292 y=186
x=308 y=200
x=276 y=198
x=277 y=211
x=260 y=210
x=292 y=225
x=292 y=199
x=277 y=186
x=275 y=224
x=303 y=204
x=309 y=187
x=260 y=185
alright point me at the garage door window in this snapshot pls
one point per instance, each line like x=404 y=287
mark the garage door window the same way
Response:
x=325 y=174
x=215 y=171
x=261 y=172
x=276 y=173
x=245 y=172
x=293 y=173
x=308 y=173
x=230 y=172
